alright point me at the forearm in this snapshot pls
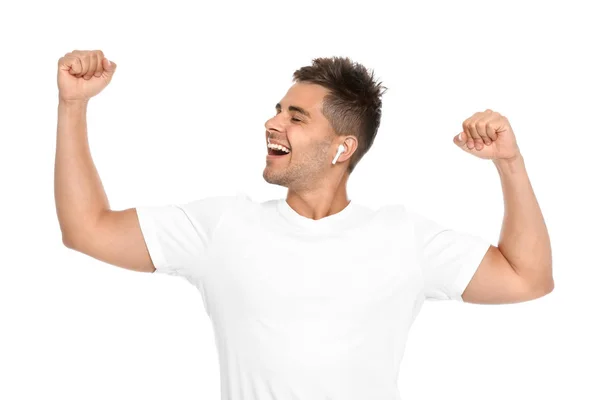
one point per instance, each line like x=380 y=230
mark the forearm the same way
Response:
x=524 y=239
x=78 y=191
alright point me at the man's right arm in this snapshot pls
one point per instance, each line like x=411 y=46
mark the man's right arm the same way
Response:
x=87 y=223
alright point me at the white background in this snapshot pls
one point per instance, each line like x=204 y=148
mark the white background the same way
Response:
x=183 y=118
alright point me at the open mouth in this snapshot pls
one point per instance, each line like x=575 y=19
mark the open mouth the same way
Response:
x=274 y=152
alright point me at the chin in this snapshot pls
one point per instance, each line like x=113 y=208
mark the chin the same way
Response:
x=269 y=178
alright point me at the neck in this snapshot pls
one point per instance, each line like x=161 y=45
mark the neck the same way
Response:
x=320 y=202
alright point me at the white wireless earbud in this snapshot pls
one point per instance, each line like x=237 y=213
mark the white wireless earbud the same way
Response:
x=340 y=151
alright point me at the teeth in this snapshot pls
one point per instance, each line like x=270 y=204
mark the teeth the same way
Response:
x=278 y=147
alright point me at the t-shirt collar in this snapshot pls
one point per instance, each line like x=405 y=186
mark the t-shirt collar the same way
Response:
x=327 y=223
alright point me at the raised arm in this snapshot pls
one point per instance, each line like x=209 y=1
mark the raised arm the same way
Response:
x=86 y=221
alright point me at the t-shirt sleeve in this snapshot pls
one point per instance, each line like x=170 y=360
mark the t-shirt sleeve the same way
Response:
x=178 y=236
x=448 y=258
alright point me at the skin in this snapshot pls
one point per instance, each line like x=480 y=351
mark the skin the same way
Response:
x=316 y=187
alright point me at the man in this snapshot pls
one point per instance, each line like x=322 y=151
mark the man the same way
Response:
x=311 y=296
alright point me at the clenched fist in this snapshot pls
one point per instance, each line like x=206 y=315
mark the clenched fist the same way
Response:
x=82 y=74
x=488 y=135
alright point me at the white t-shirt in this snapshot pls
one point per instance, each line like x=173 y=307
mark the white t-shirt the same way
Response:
x=309 y=309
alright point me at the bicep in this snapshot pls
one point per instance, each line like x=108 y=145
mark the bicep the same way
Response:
x=116 y=238
x=496 y=282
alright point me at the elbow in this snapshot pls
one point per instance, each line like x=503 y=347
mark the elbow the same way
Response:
x=540 y=280
x=543 y=286
x=550 y=286
x=67 y=241
x=548 y=282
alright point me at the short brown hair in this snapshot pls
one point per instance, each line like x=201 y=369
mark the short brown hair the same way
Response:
x=353 y=106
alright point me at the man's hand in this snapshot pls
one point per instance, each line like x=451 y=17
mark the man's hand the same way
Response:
x=83 y=74
x=488 y=135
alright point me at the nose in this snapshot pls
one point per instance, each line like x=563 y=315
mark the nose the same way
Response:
x=273 y=124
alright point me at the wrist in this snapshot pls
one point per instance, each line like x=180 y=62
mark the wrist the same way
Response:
x=72 y=103
x=512 y=164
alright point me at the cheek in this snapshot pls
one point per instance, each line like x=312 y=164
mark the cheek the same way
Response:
x=296 y=138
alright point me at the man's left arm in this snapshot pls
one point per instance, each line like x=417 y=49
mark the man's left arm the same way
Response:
x=520 y=267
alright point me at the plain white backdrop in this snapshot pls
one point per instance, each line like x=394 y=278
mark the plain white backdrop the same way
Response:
x=183 y=118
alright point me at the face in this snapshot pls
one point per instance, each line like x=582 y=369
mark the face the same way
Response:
x=299 y=125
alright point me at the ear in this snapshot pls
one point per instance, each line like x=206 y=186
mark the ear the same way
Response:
x=350 y=145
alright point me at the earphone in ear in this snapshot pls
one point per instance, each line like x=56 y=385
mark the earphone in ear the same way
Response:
x=340 y=151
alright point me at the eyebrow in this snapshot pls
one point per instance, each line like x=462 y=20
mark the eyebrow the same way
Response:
x=294 y=108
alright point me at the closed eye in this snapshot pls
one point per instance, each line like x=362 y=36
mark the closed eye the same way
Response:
x=293 y=119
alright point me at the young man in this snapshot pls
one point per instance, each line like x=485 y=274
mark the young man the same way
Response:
x=311 y=296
